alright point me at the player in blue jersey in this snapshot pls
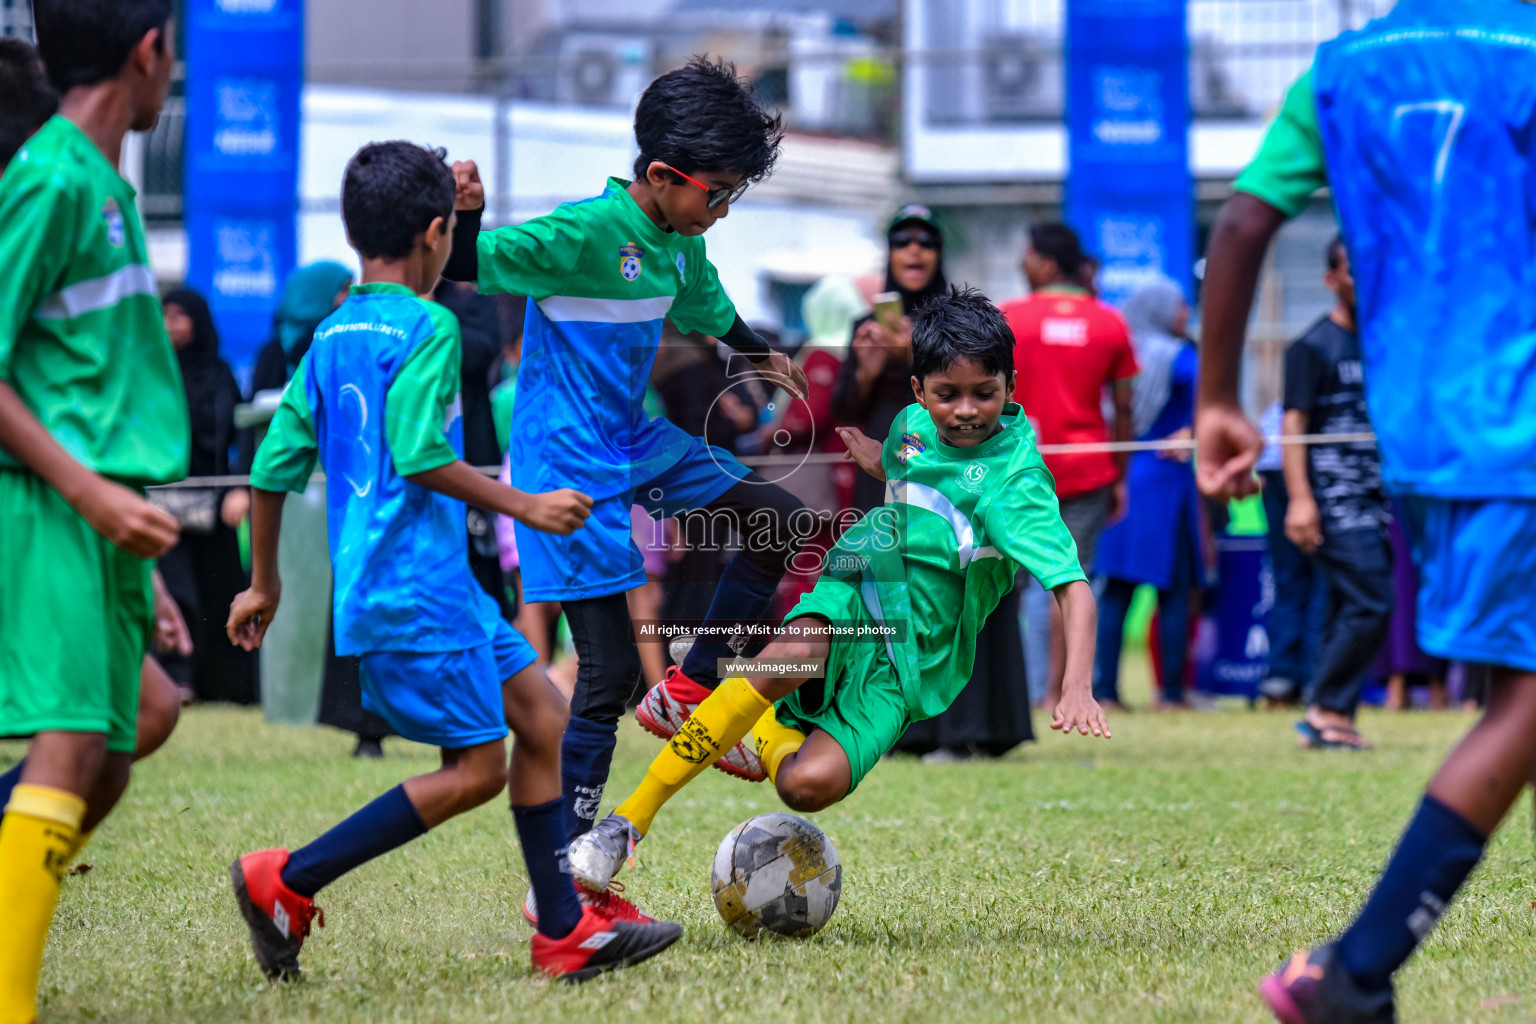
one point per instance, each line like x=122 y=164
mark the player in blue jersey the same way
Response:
x=1423 y=126
x=602 y=274
x=376 y=400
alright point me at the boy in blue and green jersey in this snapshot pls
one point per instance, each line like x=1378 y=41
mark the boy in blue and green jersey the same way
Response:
x=894 y=618
x=601 y=276
x=91 y=410
x=1423 y=126
x=376 y=401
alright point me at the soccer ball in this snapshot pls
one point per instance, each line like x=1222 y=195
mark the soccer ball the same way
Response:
x=778 y=872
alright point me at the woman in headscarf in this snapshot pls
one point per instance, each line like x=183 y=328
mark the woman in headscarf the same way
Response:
x=310 y=295
x=203 y=572
x=875 y=383
x=1159 y=540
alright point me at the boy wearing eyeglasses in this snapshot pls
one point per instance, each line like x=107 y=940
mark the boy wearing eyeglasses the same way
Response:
x=603 y=274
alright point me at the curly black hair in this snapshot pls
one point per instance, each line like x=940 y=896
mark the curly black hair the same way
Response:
x=391 y=193
x=960 y=324
x=704 y=117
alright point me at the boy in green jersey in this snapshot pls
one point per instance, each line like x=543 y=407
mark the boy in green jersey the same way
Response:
x=894 y=617
x=91 y=410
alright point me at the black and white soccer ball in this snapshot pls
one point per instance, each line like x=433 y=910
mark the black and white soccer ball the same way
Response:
x=777 y=872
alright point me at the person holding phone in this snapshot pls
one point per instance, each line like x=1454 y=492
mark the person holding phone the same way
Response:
x=874 y=383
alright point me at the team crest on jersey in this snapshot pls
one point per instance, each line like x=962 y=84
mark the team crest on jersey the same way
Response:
x=911 y=445
x=975 y=472
x=112 y=214
x=682 y=269
x=629 y=261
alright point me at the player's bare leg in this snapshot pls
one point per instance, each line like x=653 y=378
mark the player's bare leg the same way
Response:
x=816 y=776
x=468 y=778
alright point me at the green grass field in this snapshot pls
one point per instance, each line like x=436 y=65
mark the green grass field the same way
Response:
x=1152 y=877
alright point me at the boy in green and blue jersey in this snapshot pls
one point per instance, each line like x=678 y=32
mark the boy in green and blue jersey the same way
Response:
x=376 y=401
x=1423 y=126
x=601 y=275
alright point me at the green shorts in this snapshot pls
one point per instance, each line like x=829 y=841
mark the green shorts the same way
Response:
x=859 y=703
x=75 y=619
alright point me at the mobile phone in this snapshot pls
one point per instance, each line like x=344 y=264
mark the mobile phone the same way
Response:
x=888 y=309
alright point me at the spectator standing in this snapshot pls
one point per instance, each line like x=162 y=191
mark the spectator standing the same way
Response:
x=310 y=295
x=1070 y=348
x=1159 y=540
x=1338 y=509
x=1297 y=614
x=875 y=382
x=203 y=571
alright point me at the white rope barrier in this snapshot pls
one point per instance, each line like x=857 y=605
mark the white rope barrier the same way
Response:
x=834 y=458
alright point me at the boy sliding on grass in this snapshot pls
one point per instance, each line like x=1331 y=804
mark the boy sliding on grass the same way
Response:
x=902 y=596
x=91 y=411
x=1428 y=150
x=376 y=399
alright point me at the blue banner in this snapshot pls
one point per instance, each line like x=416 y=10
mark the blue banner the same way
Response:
x=245 y=77
x=1129 y=193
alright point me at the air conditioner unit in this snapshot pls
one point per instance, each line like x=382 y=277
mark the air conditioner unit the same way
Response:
x=598 y=70
x=1023 y=78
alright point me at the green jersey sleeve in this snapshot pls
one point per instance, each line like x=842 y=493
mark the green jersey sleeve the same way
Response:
x=535 y=258
x=286 y=459
x=1290 y=165
x=1024 y=524
x=36 y=215
x=417 y=404
x=701 y=304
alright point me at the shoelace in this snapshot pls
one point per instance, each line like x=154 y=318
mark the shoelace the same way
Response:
x=611 y=903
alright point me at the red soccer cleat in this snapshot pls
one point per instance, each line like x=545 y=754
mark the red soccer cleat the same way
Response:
x=668 y=704
x=599 y=943
x=278 y=917
x=607 y=902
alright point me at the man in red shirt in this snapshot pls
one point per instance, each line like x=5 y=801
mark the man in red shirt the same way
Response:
x=1069 y=348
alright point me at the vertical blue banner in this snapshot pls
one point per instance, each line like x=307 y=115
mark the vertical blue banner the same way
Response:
x=1129 y=192
x=245 y=76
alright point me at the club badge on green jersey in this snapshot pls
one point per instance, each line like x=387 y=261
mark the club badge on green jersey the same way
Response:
x=629 y=260
x=112 y=214
x=682 y=269
x=911 y=445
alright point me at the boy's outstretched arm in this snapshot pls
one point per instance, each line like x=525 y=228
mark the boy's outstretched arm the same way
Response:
x=1228 y=444
x=253 y=609
x=1080 y=621
x=564 y=511
x=114 y=511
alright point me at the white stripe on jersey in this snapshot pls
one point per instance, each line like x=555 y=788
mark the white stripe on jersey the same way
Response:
x=605 y=311
x=925 y=497
x=100 y=293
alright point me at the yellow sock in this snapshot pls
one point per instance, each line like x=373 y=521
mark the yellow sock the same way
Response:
x=36 y=838
x=715 y=726
x=81 y=838
x=775 y=742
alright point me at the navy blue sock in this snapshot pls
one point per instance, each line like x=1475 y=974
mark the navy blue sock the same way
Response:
x=389 y=821
x=8 y=781
x=541 y=830
x=1436 y=854
x=744 y=593
x=585 y=753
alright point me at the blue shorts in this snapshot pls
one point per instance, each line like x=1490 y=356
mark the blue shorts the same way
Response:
x=601 y=558
x=449 y=699
x=1477 y=578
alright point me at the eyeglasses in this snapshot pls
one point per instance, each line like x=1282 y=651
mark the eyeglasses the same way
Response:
x=716 y=195
x=926 y=239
